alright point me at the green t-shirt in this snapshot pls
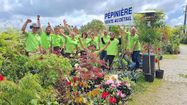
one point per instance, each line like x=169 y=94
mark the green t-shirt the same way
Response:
x=32 y=42
x=94 y=41
x=77 y=36
x=85 y=42
x=57 y=40
x=106 y=39
x=45 y=40
x=132 y=40
x=71 y=45
x=112 y=48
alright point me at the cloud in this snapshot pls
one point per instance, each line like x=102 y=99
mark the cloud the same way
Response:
x=177 y=21
x=79 y=12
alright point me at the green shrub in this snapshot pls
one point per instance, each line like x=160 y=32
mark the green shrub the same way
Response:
x=11 y=44
x=49 y=68
x=15 y=68
x=28 y=91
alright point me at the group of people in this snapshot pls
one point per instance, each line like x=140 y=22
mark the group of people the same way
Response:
x=104 y=45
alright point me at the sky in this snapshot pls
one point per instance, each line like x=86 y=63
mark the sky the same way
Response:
x=79 y=12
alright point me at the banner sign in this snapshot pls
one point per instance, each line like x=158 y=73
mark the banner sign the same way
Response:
x=123 y=16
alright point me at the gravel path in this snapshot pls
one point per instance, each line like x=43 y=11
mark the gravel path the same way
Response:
x=173 y=90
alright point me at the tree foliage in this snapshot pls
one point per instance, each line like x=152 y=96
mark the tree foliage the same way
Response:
x=93 y=26
x=149 y=34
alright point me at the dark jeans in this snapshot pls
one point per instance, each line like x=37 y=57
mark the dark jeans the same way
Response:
x=67 y=55
x=136 y=58
x=103 y=55
x=109 y=58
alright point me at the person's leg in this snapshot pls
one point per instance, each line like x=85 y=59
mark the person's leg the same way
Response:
x=106 y=60
x=137 y=58
x=67 y=55
x=103 y=55
x=133 y=57
x=62 y=52
x=111 y=58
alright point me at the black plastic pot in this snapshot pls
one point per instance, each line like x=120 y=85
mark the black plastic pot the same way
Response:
x=159 y=74
x=149 y=77
x=146 y=68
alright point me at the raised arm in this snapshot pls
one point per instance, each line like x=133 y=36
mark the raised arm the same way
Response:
x=23 y=29
x=52 y=30
x=67 y=27
x=104 y=47
x=39 y=24
x=80 y=41
x=62 y=33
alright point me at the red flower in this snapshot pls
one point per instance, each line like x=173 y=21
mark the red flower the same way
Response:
x=156 y=60
x=99 y=75
x=112 y=100
x=77 y=93
x=68 y=83
x=158 y=49
x=75 y=79
x=105 y=95
x=95 y=69
x=2 y=78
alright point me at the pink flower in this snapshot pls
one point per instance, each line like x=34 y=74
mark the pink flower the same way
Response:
x=119 y=93
x=108 y=82
x=119 y=84
x=113 y=85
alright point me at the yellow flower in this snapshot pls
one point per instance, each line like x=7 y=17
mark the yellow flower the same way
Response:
x=107 y=77
x=79 y=99
x=93 y=93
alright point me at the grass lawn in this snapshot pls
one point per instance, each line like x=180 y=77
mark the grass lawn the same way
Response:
x=183 y=75
x=142 y=89
x=169 y=56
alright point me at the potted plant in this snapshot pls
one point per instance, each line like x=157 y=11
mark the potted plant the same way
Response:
x=159 y=72
x=148 y=24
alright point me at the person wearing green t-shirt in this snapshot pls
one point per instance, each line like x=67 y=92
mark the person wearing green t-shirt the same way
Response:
x=94 y=40
x=134 y=46
x=46 y=40
x=45 y=37
x=91 y=50
x=112 y=49
x=58 y=41
x=32 y=43
x=71 y=42
x=106 y=38
x=84 y=39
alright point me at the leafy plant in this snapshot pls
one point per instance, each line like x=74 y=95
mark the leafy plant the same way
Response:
x=27 y=91
x=15 y=68
x=11 y=44
x=49 y=67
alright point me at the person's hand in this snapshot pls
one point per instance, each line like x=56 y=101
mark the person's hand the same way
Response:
x=61 y=31
x=108 y=42
x=65 y=22
x=38 y=17
x=49 y=24
x=28 y=21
